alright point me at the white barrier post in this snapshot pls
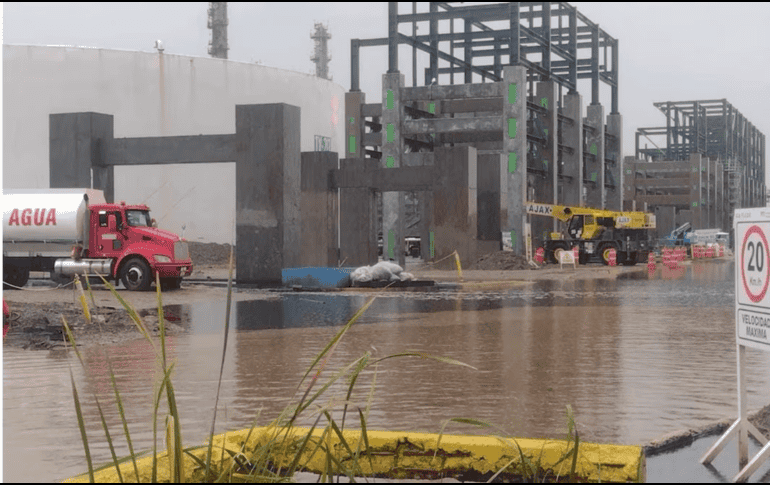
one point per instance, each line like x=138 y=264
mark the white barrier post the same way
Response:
x=752 y=320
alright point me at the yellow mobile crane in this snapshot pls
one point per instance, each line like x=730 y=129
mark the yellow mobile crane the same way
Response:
x=596 y=231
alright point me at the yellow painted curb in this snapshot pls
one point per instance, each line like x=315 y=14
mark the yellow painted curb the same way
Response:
x=396 y=454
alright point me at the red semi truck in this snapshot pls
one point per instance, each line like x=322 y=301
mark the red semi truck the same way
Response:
x=69 y=232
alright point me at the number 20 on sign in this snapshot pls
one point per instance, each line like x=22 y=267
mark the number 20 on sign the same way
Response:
x=752 y=327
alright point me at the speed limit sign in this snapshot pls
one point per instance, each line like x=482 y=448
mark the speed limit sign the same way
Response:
x=752 y=317
x=752 y=277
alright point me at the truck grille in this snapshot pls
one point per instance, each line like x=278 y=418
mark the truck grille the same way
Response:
x=181 y=252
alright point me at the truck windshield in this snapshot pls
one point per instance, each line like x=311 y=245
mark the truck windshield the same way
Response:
x=138 y=218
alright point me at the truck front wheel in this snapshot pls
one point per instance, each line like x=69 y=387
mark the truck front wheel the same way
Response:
x=136 y=275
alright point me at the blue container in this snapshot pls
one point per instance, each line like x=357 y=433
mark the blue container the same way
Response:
x=317 y=277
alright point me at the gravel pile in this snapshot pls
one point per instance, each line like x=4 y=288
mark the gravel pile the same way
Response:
x=209 y=253
x=501 y=260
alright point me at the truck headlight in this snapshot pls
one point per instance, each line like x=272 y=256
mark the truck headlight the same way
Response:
x=161 y=258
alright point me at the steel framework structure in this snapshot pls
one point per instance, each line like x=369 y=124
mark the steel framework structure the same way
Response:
x=546 y=47
x=533 y=140
x=717 y=130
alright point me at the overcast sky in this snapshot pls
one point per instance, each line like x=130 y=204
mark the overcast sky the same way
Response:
x=668 y=51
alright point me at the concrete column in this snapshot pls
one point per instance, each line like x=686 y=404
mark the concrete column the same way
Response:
x=595 y=165
x=392 y=151
x=629 y=184
x=318 y=208
x=77 y=144
x=488 y=203
x=455 y=203
x=572 y=136
x=696 y=205
x=358 y=217
x=267 y=191
x=354 y=125
x=515 y=153
x=614 y=197
x=546 y=188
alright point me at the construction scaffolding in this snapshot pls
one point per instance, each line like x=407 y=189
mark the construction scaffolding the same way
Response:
x=532 y=140
x=712 y=129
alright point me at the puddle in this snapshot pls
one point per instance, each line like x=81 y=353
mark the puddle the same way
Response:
x=683 y=465
x=635 y=358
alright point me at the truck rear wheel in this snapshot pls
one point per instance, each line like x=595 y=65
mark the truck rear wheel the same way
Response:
x=553 y=255
x=14 y=275
x=136 y=275
x=604 y=252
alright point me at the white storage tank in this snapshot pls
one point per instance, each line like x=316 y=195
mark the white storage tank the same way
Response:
x=154 y=94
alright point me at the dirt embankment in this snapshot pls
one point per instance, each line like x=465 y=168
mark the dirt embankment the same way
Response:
x=39 y=325
x=209 y=254
x=501 y=261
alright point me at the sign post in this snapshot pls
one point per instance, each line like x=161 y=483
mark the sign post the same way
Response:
x=752 y=327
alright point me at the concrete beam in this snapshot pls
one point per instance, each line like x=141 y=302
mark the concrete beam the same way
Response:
x=371 y=110
x=457 y=91
x=452 y=125
x=161 y=150
x=675 y=182
x=267 y=191
x=470 y=105
x=405 y=179
x=683 y=200
x=514 y=92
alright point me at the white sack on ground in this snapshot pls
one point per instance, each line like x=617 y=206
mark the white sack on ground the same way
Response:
x=382 y=271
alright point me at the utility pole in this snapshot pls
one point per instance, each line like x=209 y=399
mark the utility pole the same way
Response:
x=321 y=55
x=218 y=24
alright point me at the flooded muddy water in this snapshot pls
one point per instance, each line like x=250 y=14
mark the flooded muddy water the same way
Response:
x=636 y=357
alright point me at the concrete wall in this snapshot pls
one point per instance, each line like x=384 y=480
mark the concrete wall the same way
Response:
x=153 y=94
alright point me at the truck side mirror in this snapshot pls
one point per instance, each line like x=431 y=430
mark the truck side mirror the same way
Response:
x=154 y=223
x=111 y=223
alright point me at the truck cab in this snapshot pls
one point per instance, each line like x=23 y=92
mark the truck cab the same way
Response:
x=127 y=234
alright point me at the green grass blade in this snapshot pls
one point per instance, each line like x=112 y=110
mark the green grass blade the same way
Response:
x=165 y=379
x=574 y=457
x=424 y=355
x=131 y=313
x=304 y=405
x=298 y=455
x=161 y=320
x=119 y=403
x=471 y=421
x=224 y=353
x=78 y=411
x=365 y=436
x=363 y=362
x=82 y=426
x=336 y=339
x=493 y=477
